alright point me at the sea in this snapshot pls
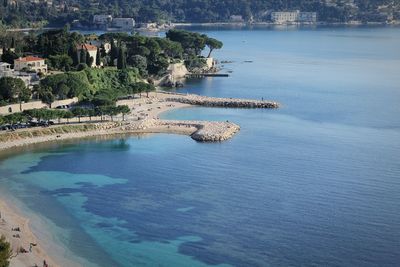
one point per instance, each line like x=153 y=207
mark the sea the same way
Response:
x=313 y=183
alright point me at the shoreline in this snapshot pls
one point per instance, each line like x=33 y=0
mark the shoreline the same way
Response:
x=144 y=119
x=219 y=24
x=37 y=248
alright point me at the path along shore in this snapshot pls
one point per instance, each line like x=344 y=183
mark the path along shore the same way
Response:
x=144 y=118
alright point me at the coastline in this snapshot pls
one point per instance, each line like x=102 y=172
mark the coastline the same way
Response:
x=144 y=119
x=39 y=248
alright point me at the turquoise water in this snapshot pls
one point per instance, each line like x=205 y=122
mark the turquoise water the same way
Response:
x=316 y=182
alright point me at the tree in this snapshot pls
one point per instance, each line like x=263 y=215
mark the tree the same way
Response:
x=68 y=115
x=98 y=58
x=192 y=43
x=90 y=61
x=112 y=111
x=60 y=62
x=124 y=109
x=8 y=56
x=5 y=252
x=113 y=53
x=16 y=118
x=43 y=93
x=12 y=89
x=83 y=56
x=77 y=58
x=213 y=44
x=121 y=62
x=140 y=63
x=81 y=66
x=79 y=112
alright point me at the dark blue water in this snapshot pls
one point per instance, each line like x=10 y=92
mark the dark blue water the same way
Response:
x=316 y=182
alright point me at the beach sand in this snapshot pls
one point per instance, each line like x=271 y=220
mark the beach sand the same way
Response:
x=22 y=237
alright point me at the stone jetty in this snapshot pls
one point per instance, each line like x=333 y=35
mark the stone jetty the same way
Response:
x=220 y=102
x=202 y=131
x=206 y=131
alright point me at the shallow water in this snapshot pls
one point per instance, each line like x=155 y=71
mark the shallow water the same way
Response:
x=316 y=182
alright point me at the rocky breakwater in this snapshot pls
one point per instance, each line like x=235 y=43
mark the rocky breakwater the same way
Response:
x=221 y=102
x=206 y=131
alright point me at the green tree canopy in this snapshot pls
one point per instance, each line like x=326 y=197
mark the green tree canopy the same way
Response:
x=13 y=89
x=5 y=252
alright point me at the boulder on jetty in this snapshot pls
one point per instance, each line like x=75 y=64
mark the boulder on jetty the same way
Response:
x=215 y=131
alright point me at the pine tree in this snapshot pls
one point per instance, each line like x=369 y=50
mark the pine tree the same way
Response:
x=77 y=58
x=83 y=56
x=114 y=52
x=88 y=59
x=98 y=60
x=121 y=62
x=90 y=62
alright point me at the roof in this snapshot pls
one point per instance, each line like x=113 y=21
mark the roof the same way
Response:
x=86 y=47
x=4 y=64
x=28 y=59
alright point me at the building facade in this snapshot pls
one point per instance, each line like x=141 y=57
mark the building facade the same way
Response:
x=28 y=78
x=123 y=23
x=102 y=19
x=31 y=63
x=91 y=49
x=5 y=70
x=293 y=17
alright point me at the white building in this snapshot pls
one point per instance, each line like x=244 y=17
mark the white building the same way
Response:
x=293 y=17
x=5 y=70
x=99 y=44
x=91 y=49
x=28 y=78
x=102 y=19
x=36 y=64
x=236 y=18
x=123 y=23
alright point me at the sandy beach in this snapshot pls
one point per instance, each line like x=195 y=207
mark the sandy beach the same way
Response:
x=27 y=248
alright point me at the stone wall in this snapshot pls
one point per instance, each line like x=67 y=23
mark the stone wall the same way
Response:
x=13 y=108
x=9 y=109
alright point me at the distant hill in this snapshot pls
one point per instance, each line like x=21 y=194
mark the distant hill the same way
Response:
x=22 y=13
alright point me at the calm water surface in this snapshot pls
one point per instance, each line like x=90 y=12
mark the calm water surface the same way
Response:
x=316 y=182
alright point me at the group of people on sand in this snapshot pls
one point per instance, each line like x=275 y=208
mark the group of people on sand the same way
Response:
x=44 y=264
x=22 y=250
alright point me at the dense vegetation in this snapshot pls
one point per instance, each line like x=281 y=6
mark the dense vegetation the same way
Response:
x=131 y=60
x=5 y=252
x=59 y=12
x=13 y=90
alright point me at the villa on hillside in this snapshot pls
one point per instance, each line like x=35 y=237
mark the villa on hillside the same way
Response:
x=31 y=63
x=91 y=49
x=28 y=78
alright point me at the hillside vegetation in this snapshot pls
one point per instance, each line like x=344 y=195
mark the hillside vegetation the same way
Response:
x=59 y=12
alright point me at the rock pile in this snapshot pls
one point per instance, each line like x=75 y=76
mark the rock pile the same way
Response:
x=221 y=102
